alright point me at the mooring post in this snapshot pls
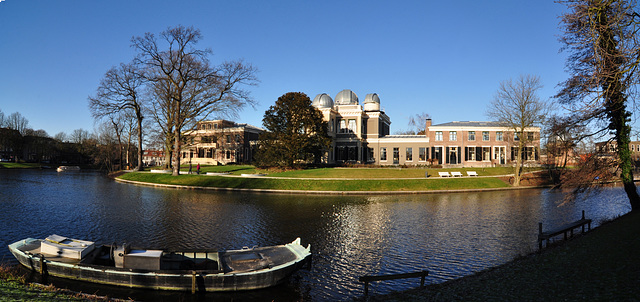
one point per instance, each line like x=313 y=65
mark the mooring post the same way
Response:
x=583 y=220
x=366 y=288
x=540 y=235
x=193 y=282
x=41 y=264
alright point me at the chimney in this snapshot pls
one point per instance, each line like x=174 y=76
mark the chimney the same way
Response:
x=428 y=124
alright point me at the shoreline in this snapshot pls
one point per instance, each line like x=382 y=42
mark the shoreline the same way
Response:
x=322 y=192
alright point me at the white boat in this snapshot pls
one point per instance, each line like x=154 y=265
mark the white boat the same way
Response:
x=68 y=168
x=202 y=270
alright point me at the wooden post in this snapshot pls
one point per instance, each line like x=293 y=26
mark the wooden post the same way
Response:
x=540 y=234
x=366 y=288
x=193 y=282
x=41 y=264
x=583 y=220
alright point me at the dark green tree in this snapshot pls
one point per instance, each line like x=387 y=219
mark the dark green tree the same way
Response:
x=603 y=66
x=296 y=133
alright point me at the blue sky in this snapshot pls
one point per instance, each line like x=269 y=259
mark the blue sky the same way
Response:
x=445 y=58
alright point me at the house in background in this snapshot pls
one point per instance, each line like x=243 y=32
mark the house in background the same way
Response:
x=609 y=148
x=151 y=158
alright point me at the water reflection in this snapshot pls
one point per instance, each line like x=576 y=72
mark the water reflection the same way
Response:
x=451 y=235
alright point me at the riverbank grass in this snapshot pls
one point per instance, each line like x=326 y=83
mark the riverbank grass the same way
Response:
x=317 y=184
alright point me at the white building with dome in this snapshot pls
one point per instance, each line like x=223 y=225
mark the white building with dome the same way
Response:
x=361 y=132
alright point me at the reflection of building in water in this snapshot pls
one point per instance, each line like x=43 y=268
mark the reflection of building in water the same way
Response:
x=361 y=135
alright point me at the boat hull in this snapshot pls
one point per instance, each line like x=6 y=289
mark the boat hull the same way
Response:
x=187 y=280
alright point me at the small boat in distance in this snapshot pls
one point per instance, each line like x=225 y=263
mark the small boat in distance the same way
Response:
x=68 y=168
x=202 y=270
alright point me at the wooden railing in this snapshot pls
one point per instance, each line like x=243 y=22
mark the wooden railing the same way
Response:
x=367 y=279
x=563 y=229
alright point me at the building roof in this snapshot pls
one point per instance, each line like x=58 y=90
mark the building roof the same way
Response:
x=322 y=100
x=346 y=97
x=469 y=124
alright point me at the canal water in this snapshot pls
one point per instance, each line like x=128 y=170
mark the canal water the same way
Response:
x=450 y=235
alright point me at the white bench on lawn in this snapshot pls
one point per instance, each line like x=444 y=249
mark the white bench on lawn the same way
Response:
x=444 y=174
x=472 y=173
x=456 y=174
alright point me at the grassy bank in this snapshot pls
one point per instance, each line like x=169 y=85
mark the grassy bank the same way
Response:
x=9 y=165
x=13 y=287
x=387 y=172
x=600 y=266
x=373 y=184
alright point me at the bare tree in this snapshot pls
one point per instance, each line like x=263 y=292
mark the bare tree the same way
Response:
x=161 y=111
x=602 y=36
x=18 y=122
x=2 y=119
x=79 y=136
x=195 y=89
x=418 y=122
x=61 y=137
x=517 y=107
x=120 y=90
x=563 y=138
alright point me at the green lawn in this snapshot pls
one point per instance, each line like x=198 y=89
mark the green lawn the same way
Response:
x=8 y=165
x=376 y=184
x=390 y=172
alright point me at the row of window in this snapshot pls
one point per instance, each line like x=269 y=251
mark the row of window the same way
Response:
x=471 y=136
x=348 y=126
x=422 y=153
x=208 y=126
x=471 y=153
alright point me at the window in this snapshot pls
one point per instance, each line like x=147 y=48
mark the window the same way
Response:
x=331 y=126
x=516 y=136
x=453 y=135
x=343 y=126
x=486 y=153
x=472 y=135
x=228 y=138
x=409 y=154
x=352 y=126
x=422 y=154
x=438 y=135
x=383 y=154
x=499 y=135
x=472 y=153
x=485 y=135
x=530 y=136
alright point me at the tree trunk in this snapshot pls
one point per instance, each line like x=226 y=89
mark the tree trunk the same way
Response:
x=615 y=102
x=140 y=151
x=626 y=161
x=176 y=152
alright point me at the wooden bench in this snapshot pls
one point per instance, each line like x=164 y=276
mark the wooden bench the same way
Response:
x=563 y=229
x=456 y=174
x=444 y=174
x=367 y=279
x=472 y=173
